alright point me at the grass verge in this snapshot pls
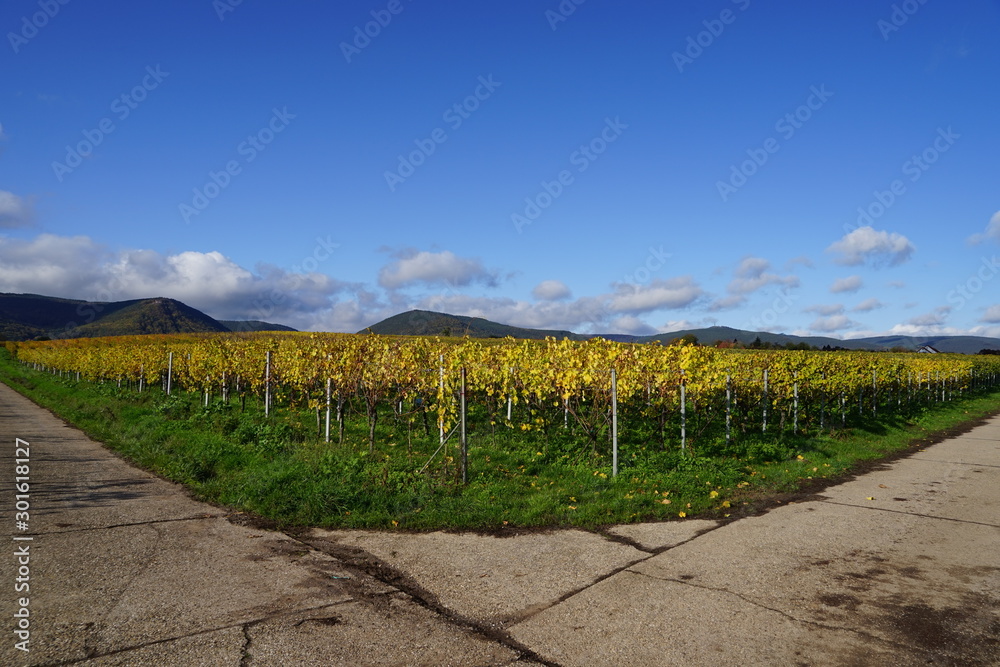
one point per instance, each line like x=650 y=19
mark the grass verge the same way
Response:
x=278 y=468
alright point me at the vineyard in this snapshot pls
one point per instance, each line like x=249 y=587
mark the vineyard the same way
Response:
x=440 y=414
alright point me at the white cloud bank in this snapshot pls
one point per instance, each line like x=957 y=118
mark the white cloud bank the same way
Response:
x=412 y=267
x=551 y=290
x=848 y=284
x=865 y=245
x=78 y=267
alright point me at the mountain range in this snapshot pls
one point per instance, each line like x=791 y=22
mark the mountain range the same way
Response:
x=429 y=323
x=28 y=316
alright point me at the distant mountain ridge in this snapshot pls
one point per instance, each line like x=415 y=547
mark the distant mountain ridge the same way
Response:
x=27 y=316
x=429 y=323
x=253 y=325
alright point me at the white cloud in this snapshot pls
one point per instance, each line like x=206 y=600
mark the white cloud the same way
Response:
x=911 y=329
x=551 y=290
x=868 y=246
x=825 y=310
x=848 y=284
x=868 y=305
x=434 y=268
x=15 y=211
x=992 y=231
x=727 y=303
x=992 y=315
x=671 y=293
x=630 y=324
x=831 y=324
x=51 y=265
x=751 y=275
x=78 y=268
x=935 y=319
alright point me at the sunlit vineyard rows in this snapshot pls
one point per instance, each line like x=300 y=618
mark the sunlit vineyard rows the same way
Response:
x=680 y=393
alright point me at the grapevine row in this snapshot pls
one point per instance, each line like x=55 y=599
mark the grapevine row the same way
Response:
x=788 y=389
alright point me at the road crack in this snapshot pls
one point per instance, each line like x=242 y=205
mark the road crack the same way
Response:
x=245 y=625
x=916 y=514
x=360 y=560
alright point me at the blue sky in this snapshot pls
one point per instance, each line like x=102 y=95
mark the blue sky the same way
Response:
x=627 y=167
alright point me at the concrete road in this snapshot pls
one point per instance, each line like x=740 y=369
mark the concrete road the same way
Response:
x=900 y=566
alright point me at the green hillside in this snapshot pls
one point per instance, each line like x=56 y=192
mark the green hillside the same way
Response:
x=253 y=325
x=428 y=323
x=26 y=316
x=147 y=316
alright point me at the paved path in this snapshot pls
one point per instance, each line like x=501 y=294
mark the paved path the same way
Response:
x=898 y=567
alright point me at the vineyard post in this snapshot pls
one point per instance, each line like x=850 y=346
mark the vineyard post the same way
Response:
x=822 y=401
x=614 y=423
x=765 y=402
x=510 y=400
x=142 y=376
x=843 y=410
x=329 y=383
x=170 y=371
x=208 y=379
x=729 y=407
x=874 y=394
x=463 y=442
x=795 y=419
x=683 y=414
x=267 y=384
